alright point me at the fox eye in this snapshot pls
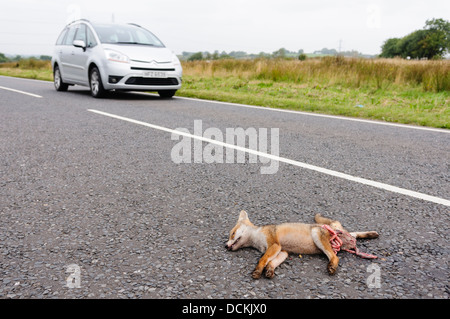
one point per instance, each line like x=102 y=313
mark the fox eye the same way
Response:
x=232 y=235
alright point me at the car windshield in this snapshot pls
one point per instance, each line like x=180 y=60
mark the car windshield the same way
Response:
x=126 y=34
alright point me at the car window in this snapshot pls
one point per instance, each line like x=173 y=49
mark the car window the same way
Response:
x=144 y=37
x=126 y=34
x=91 y=42
x=81 y=33
x=70 y=36
x=61 y=37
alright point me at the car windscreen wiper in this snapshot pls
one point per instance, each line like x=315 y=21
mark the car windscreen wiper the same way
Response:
x=133 y=43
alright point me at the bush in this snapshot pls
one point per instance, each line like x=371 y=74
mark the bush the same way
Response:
x=196 y=57
x=302 y=57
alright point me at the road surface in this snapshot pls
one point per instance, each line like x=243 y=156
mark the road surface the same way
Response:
x=92 y=183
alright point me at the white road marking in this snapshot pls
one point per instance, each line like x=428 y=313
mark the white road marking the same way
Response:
x=25 y=79
x=414 y=127
x=21 y=92
x=348 y=177
x=423 y=128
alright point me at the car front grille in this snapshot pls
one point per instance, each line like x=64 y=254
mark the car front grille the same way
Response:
x=151 y=69
x=152 y=81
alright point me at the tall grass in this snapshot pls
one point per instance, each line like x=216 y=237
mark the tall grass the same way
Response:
x=28 y=68
x=432 y=76
x=28 y=64
x=394 y=90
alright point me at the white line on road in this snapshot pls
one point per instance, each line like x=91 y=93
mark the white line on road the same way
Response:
x=414 y=127
x=25 y=79
x=424 y=128
x=21 y=92
x=348 y=177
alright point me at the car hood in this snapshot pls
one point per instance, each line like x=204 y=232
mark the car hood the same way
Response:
x=142 y=53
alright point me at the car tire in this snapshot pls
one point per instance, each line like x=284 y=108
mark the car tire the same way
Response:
x=167 y=93
x=58 y=81
x=96 y=84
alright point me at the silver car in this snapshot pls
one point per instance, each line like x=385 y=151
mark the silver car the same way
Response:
x=108 y=57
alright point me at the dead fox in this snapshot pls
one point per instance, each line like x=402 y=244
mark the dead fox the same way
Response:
x=276 y=241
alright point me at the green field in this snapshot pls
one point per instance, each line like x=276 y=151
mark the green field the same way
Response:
x=394 y=90
x=29 y=69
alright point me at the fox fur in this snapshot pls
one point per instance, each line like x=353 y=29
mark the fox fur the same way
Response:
x=277 y=241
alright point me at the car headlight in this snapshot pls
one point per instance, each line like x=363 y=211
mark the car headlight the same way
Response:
x=116 y=56
x=175 y=59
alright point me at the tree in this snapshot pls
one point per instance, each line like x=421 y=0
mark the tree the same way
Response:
x=281 y=53
x=329 y=51
x=391 y=48
x=433 y=41
x=302 y=57
x=437 y=40
x=196 y=57
x=238 y=54
x=45 y=58
x=410 y=46
x=3 y=58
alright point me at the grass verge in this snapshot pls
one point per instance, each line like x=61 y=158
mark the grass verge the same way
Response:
x=408 y=106
x=408 y=92
x=28 y=69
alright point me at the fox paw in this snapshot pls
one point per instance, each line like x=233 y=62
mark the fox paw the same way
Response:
x=372 y=235
x=270 y=273
x=256 y=274
x=332 y=268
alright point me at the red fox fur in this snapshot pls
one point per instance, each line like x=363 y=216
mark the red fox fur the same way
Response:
x=276 y=241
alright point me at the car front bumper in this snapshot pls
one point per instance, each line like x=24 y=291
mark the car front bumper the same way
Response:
x=142 y=76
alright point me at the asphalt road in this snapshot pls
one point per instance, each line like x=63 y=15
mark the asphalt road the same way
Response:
x=82 y=187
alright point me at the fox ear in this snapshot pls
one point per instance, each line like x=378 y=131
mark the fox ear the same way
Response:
x=243 y=216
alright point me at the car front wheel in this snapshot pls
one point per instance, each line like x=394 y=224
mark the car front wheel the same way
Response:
x=167 y=93
x=95 y=81
x=58 y=81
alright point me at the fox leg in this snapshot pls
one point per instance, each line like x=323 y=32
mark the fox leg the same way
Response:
x=274 y=263
x=365 y=234
x=337 y=225
x=321 y=238
x=333 y=223
x=270 y=254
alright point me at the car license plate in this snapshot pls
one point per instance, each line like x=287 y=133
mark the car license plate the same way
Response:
x=155 y=74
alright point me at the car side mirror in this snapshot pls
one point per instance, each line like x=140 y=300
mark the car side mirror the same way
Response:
x=79 y=44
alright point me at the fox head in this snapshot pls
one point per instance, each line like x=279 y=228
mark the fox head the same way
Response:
x=240 y=234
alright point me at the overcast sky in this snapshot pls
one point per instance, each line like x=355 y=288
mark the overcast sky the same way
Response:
x=32 y=26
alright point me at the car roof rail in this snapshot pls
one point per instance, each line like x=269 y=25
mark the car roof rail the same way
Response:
x=85 y=20
x=136 y=25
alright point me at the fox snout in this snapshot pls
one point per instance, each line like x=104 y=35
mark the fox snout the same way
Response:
x=239 y=234
x=233 y=244
x=229 y=245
